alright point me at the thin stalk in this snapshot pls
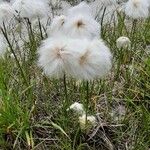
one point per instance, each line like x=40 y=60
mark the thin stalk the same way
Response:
x=87 y=99
x=134 y=25
x=103 y=15
x=40 y=27
x=66 y=102
x=4 y=31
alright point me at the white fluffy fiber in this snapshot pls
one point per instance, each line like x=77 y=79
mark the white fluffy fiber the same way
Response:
x=6 y=12
x=51 y=57
x=81 y=8
x=137 y=9
x=74 y=48
x=81 y=26
x=31 y=8
x=88 y=59
x=82 y=59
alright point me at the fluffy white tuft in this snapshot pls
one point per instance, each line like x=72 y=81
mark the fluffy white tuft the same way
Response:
x=137 y=9
x=123 y=42
x=81 y=26
x=31 y=8
x=6 y=12
x=82 y=8
x=74 y=48
x=51 y=56
x=88 y=59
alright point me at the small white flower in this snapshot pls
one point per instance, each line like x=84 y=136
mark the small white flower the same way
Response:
x=78 y=108
x=137 y=9
x=91 y=122
x=123 y=42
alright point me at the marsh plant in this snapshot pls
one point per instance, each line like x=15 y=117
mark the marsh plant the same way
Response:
x=75 y=75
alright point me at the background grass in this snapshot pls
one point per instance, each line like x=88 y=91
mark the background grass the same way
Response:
x=32 y=115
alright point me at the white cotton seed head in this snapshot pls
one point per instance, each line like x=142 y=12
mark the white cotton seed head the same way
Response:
x=82 y=27
x=137 y=9
x=57 y=26
x=82 y=8
x=31 y=8
x=6 y=12
x=88 y=60
x=91 y=122
x=77 y=108
x=123 y=42
x=52 y=55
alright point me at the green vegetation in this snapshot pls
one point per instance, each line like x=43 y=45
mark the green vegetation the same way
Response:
x=32 y=115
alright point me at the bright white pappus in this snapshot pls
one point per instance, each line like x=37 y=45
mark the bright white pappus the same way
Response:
x=123 y=42
x=89 y=59
x=31 y=8
x=57 y=26
x=52 y=55
x=137 y=9
x=77 y=108
x=91 y=122
x=82 y=8
x=6 y=12
x=81 y=26
x=3 y=45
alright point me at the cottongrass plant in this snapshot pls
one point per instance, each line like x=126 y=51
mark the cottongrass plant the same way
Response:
x=76 y=49
x=34 y=109
x=137 y=9
x=86 y=121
